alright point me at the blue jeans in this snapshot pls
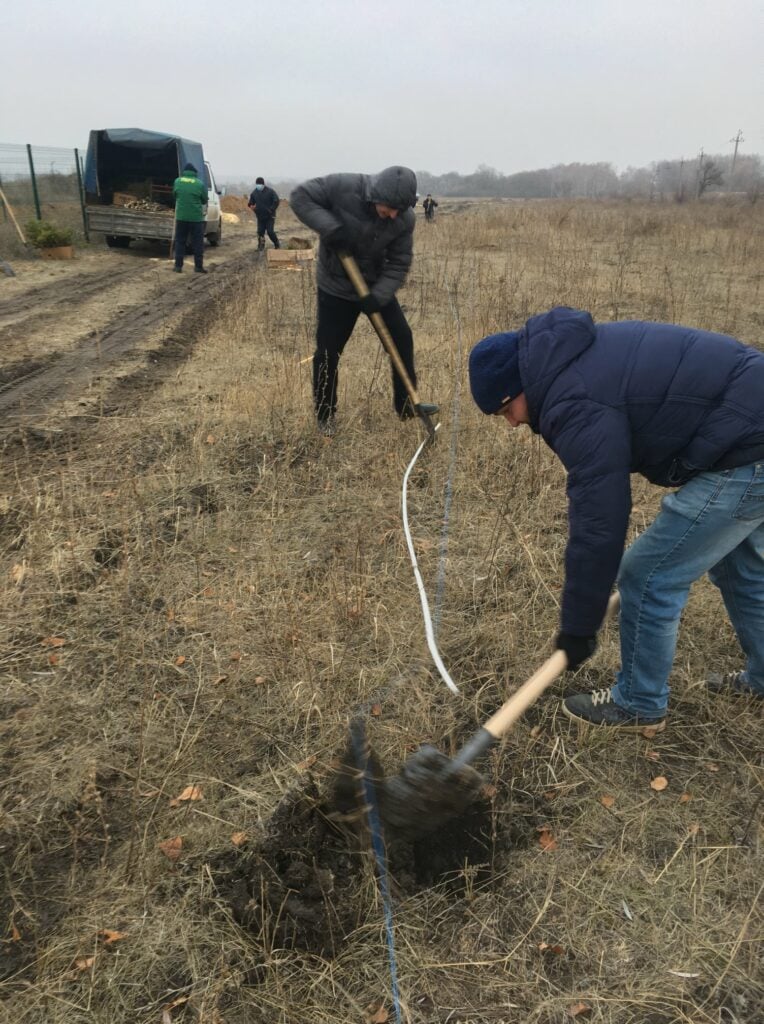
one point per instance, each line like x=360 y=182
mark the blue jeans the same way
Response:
x=713 y=524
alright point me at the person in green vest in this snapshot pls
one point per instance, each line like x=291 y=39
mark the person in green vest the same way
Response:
x=190 y=214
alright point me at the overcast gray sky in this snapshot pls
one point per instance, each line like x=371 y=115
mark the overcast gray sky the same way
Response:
x=293 y=88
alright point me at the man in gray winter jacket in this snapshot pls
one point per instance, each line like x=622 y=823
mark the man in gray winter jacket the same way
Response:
x=371 y=217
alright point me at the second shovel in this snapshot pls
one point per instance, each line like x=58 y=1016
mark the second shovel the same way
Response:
x=424 y=410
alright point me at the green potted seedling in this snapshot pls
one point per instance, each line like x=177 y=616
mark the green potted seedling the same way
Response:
x=53 y=242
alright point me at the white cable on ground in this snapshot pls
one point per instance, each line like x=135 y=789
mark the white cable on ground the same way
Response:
x=418 y=576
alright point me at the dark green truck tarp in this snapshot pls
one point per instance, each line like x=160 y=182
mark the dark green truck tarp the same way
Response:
x=121 y=155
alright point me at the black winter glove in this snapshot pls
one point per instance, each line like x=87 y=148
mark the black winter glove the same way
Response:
x=369 y=304
x=577 y=648
x=337 y=239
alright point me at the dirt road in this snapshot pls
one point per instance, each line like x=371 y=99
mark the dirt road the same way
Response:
x=73 y=333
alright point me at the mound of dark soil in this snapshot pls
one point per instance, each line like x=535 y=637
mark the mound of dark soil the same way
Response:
x=301 y=886
x=300 y=882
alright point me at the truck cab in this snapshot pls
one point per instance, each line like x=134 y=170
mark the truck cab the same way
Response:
x=213 y=228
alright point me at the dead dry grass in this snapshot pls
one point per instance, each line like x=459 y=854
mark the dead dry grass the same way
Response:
x=202 y=593
x=63 y=213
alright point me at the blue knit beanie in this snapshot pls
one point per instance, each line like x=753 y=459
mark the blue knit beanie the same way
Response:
x=495 y=371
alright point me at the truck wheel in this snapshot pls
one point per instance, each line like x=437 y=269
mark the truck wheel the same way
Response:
x=118 y=241
x=214 y=238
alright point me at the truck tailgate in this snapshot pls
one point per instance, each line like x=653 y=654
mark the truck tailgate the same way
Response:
x=114 y=220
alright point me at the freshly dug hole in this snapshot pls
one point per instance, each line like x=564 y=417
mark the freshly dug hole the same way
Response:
x=298 y=887
x=305 y=884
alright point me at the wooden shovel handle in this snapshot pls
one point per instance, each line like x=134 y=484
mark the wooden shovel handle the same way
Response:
x=503 y=720
x=9 y=208
x=352 y=270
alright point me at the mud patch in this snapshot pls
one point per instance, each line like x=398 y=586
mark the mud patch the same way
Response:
x=98 y=354
x=461 y=844
x=309 y=874
x=434 y=817
x=45 y=302
x=16 y=372
x=299 y=886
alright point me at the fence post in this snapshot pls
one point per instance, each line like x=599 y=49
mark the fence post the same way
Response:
x=82 y=195
x=34 y=184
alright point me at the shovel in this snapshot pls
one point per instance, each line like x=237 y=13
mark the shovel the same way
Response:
x=424 y=410
x=432 y=788
x=9 y=208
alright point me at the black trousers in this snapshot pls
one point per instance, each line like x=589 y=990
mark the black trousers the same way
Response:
x=267 y=224
x=184 y=228
x=336 y=320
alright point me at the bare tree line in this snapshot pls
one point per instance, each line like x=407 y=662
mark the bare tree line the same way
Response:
x=680 y=179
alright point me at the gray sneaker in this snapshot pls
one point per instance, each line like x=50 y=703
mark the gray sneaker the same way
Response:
x=733 y=684
x=328 y=427
x=599 y=708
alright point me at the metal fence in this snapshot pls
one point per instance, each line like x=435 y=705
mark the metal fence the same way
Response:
x=41 y=183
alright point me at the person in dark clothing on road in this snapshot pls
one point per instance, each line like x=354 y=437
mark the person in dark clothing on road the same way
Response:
x=190 y=214
x=685 y=409
x=428 y=206
x=264 y=202
x=370 y=217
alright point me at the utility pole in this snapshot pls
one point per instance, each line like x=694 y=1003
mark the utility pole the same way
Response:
x=701 y=157
x=737 y=140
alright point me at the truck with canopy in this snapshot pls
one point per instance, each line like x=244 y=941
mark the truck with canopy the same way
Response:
x=129 y=174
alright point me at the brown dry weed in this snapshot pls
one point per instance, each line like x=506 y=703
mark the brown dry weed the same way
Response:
x=228 y=587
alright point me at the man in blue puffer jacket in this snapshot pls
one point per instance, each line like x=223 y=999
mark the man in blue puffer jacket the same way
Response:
x=683 y=407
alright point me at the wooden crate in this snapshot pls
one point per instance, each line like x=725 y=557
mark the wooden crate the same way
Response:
x=288 y=258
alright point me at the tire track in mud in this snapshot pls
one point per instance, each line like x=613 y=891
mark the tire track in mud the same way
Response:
x=25 y=309
x=67 y=375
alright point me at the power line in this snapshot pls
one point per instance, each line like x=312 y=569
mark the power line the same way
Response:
x=737 y=140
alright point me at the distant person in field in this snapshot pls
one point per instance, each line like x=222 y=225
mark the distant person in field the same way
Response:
x=685 y=409
x=190 y=214
x=264 y=202
x=370 y=217
x=428 y=206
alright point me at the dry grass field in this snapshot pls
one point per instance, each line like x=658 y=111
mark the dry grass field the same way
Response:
x=200 y=591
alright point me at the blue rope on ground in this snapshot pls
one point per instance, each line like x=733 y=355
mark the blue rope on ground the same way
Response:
x=378 y=846
x=443 y=547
